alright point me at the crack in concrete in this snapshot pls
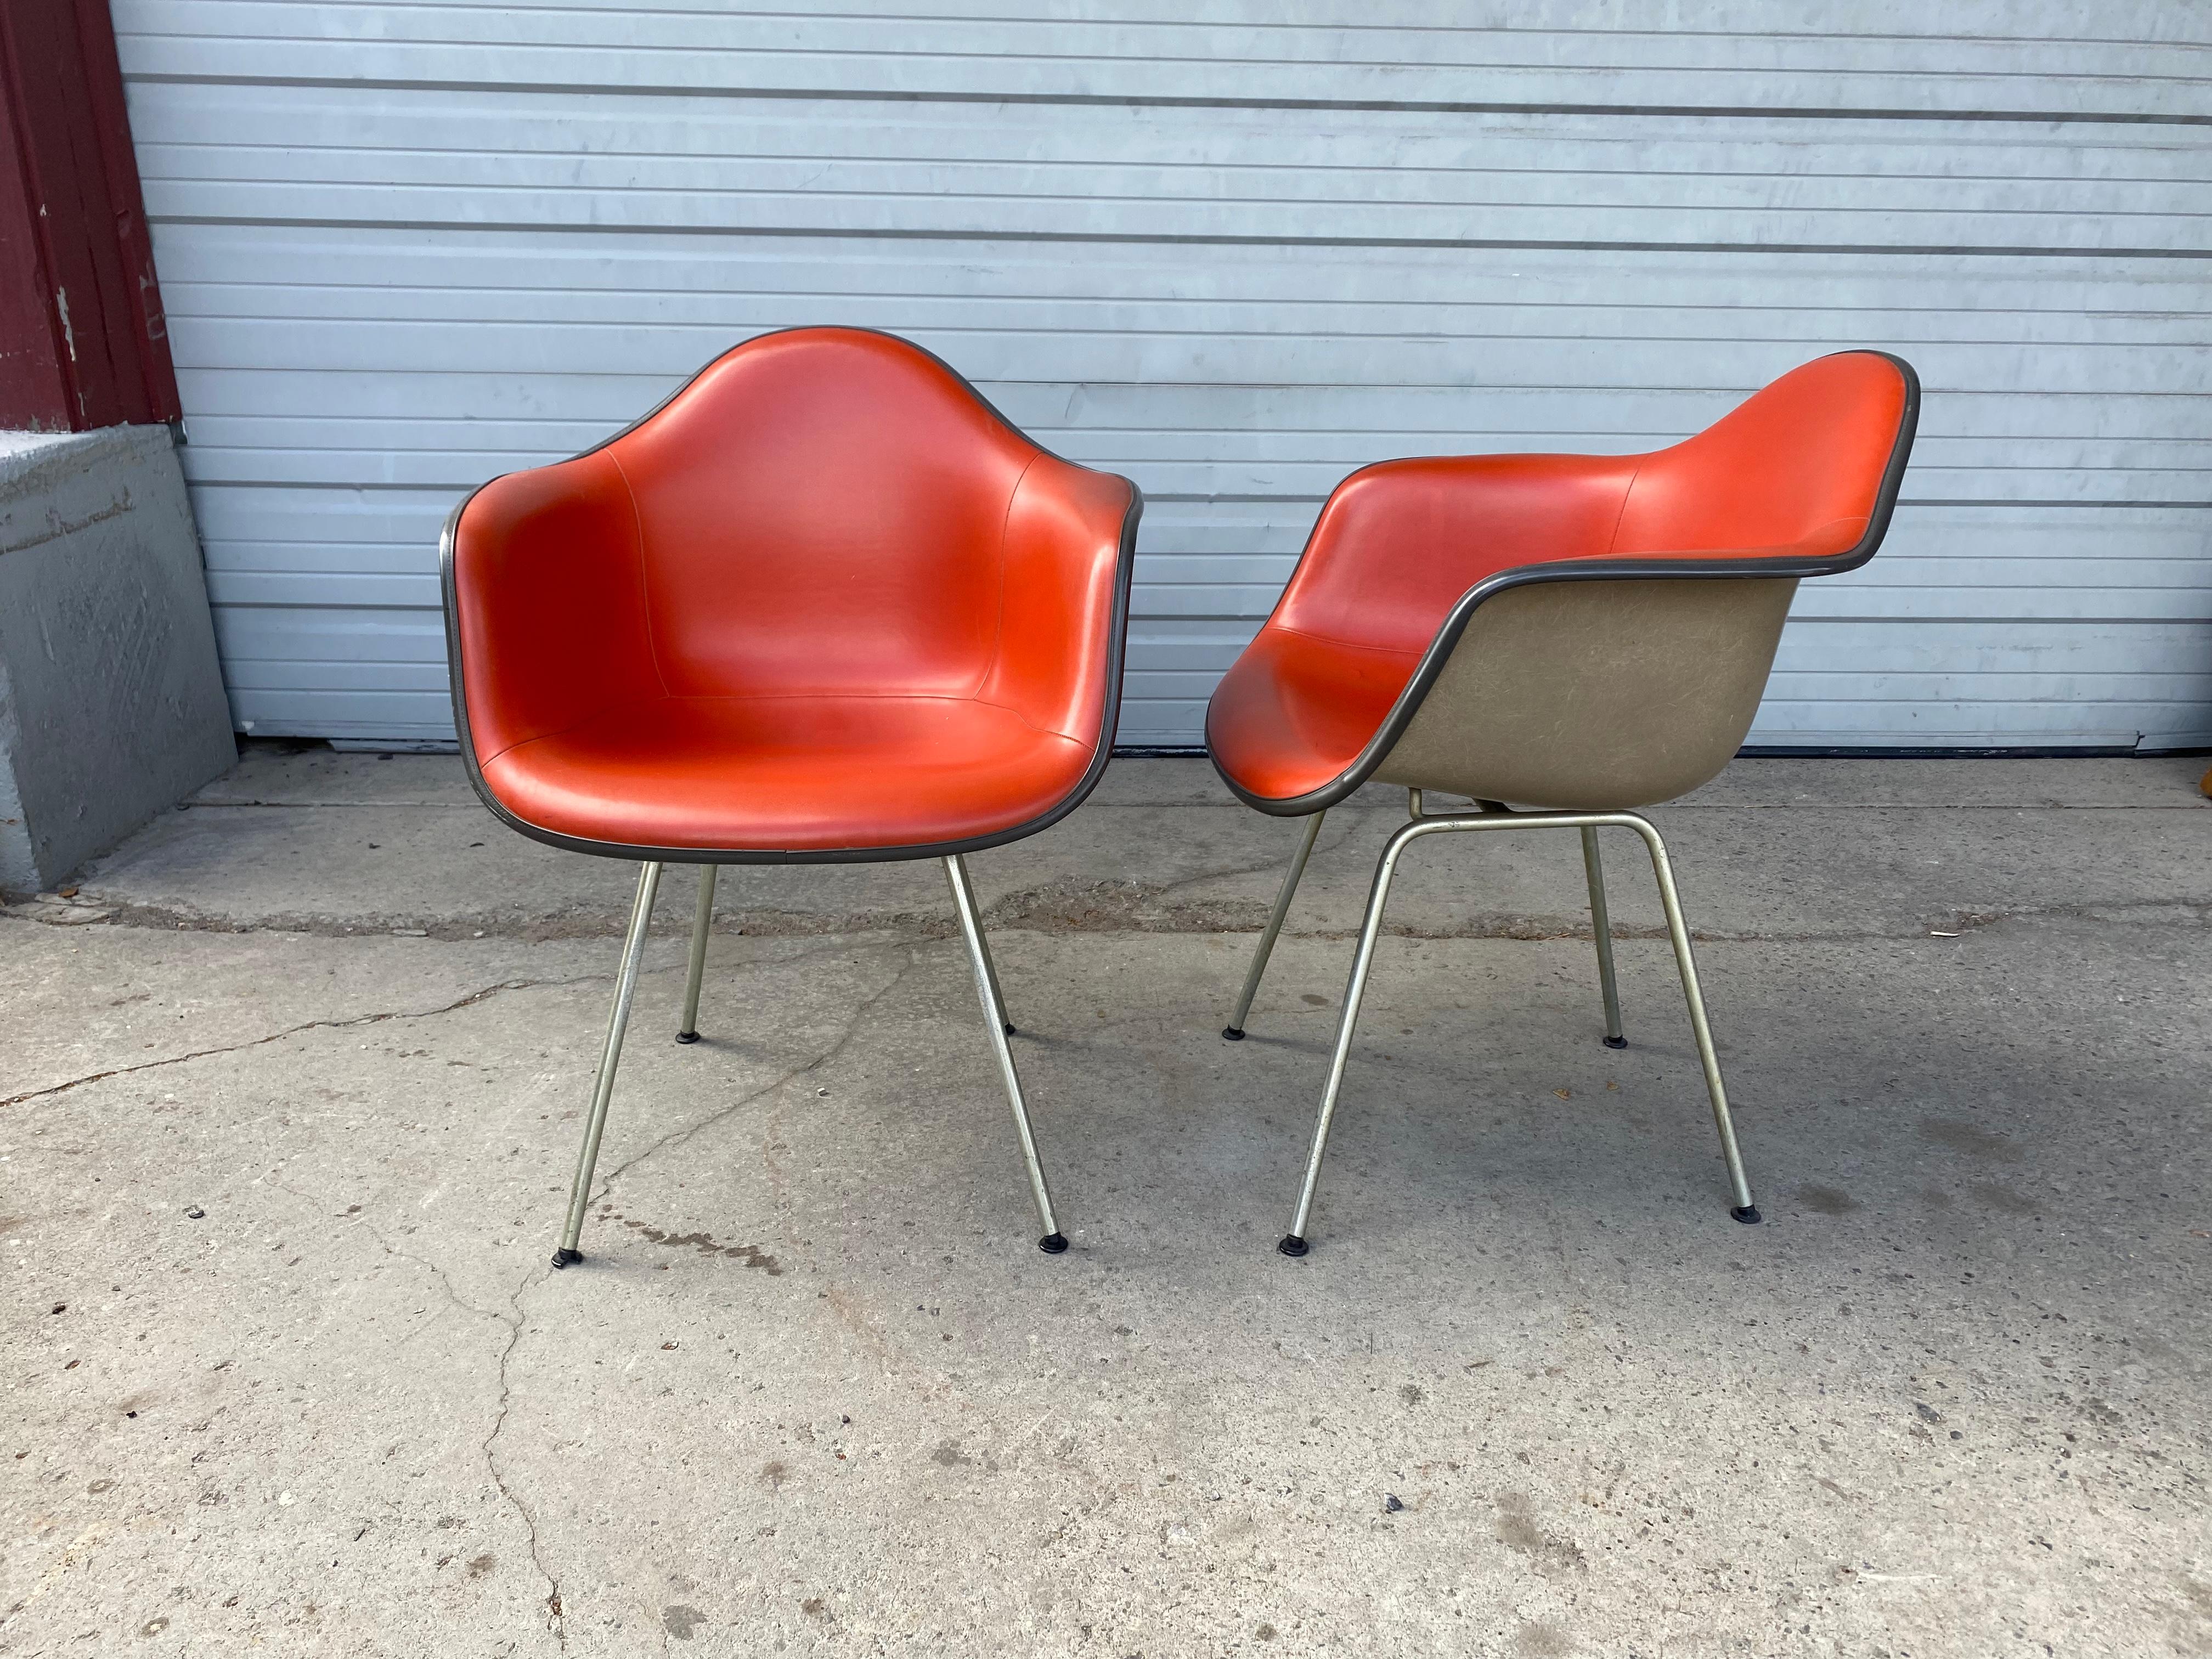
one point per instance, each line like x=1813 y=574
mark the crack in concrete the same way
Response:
x=379 y=1019
x=356 y=804
x=1364 y=807
x=555 y=1616
x=678 y=1136
x=468 y=1001
x=513 y=1320
x=1112 y=910
x=1079 y=906
x=840 y=1303
x=126 y=913
x=1013 y=910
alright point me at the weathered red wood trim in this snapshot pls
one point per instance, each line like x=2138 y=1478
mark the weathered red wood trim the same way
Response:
x=82 y=340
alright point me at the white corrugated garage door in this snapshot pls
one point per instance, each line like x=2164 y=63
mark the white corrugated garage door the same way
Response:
x=406 y=247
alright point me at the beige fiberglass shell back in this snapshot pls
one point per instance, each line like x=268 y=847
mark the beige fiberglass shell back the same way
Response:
x=1595 y=695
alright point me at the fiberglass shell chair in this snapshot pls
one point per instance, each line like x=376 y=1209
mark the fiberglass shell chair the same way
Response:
x=824 y=605
x=1579 y=635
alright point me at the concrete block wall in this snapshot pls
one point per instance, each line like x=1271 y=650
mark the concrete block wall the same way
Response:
x=111 y=703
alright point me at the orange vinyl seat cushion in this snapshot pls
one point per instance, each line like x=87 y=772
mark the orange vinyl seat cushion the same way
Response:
x=802 y=774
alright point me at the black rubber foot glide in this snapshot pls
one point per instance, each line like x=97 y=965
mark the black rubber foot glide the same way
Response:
x=1616 y=1042
x=1053 y=1243
x=1292 y=1244
x=1232 y=1033
x=1010 y=1030
x=1748 y=1215
x=562 y=1258
x=687 y=1037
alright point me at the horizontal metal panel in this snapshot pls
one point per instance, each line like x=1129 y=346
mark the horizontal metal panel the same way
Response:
x=307 y=636
x=1199 y=476
x=346 y=589
x=2121 y=60
x=334 y=674
x=564 y=278
x=1298 y=467
x=2114 y=650
x=510 y=139
x=2140 y=429
x=298 y=711
x=226 y=153
x=355 y=347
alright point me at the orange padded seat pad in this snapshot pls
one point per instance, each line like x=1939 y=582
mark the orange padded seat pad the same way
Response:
x=793 y=772
x=824 y=601
x=1792 y=475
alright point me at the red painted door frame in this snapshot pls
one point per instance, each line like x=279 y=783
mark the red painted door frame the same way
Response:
x=83 y=341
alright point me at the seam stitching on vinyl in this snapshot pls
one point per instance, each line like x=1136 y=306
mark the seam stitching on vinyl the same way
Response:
x=1412 y=650
x=644 y=587
x=822 y=697
x=562 y=731
x=998 y=633
x=1612 y=541
x=1041 y=731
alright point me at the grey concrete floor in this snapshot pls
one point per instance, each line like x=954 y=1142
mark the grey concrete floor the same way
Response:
x=293 y=1082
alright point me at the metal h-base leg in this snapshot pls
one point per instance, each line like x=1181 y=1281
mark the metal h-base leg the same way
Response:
x=995 y=1018
x=1743 y=1210
x=1294 y=1242
x=641 y=913
x=702 y=920
x=1601 y=926
x=1234 y=1032
x=990 y=969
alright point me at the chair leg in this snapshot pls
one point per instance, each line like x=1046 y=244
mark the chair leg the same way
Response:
x=641 y=913
x=1601 y=926
x=990 y=965
x=1743 y=1209
x=1234 y=1032
x=994 y=1020
x=1294 y=1242
x=702 y=920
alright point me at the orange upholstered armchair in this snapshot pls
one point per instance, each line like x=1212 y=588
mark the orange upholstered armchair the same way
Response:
x=1575 y=635
x=824 y=605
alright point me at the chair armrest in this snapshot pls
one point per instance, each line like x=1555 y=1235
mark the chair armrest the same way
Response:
x=546 y=619
x=1397 y=542
x=1070 y=547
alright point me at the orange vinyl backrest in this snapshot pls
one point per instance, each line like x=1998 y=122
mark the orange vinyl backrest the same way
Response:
x=822 y=520
x=1797 y=466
